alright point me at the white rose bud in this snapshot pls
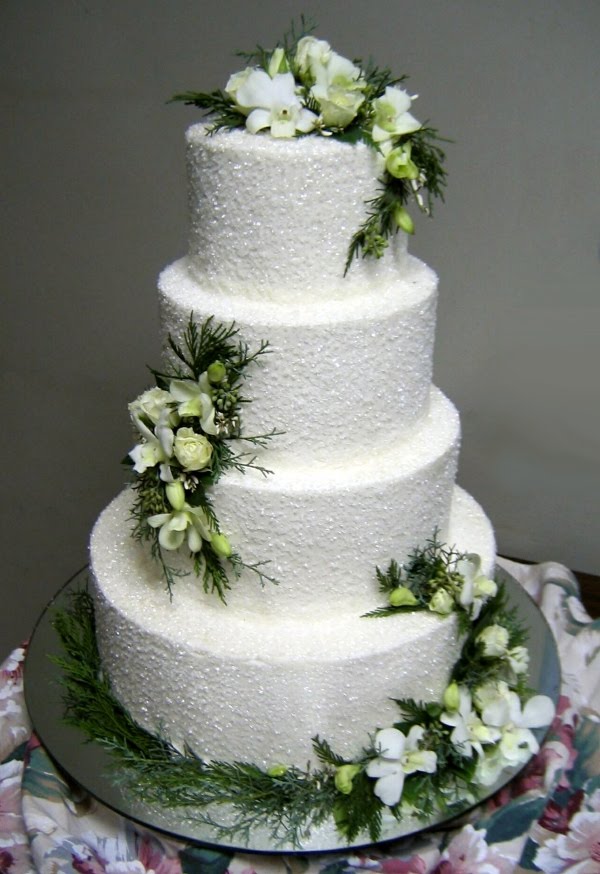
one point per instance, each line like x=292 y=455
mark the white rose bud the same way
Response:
x=518 y=658
x=193 y=451
x=442 y=603
x=495 y=641
x=452 y=697
x=150 y=404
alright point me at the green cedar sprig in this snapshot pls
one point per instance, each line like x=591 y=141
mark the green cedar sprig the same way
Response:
x=426 y=570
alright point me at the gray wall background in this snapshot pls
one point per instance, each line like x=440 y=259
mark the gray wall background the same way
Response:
x=93 y=203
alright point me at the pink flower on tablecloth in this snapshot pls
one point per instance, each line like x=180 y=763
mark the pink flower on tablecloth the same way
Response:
x=87 y=865
x=12 y=668
x=153 y=857
x=14 y=721
x=468 y=853
x=15 y=859
x=577 y=851
x=11 y=819
x=556 y=817
x=414 y=865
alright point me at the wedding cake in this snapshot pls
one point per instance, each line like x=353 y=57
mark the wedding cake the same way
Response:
x=353 y=451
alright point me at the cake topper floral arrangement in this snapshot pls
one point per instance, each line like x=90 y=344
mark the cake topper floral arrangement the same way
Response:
x=433 y=760
x=303 y=87
x=185 y=427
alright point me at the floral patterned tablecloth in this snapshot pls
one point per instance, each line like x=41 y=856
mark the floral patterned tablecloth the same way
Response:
x=547 y=819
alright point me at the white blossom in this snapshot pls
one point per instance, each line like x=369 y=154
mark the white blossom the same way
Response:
x=470 y=732
x=194 y=399
x=392 y=118
x=399 y=755
x=476 y=588
x=271 y=102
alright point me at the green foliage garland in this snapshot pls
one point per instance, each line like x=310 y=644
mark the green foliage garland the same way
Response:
x=286 y=800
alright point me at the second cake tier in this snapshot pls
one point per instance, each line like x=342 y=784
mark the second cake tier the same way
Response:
x=344 y=378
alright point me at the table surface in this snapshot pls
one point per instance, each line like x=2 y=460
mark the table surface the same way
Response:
x=547 y=819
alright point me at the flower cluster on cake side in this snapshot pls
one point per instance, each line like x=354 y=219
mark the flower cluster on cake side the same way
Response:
x=303 y=87
x=185 y=427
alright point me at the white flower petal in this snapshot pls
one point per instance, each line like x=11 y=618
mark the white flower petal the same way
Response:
x=390 y=742
x=305 y=121
x=389 y=789
x=258 y=120
x=256 y=91
x=538 y=711
x=382 y=767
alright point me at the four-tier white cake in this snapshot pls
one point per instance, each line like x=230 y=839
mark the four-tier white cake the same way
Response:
x=362 y=471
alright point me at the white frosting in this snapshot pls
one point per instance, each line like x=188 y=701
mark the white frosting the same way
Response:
x=364 y=472
x=343 y=377
x=274 y=218
x=324 y=529
x=235 y=684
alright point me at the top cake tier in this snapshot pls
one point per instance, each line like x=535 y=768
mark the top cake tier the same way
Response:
x=273 y=219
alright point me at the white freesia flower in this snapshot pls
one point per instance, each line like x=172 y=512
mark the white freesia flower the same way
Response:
x=338 y=90
x=476 y=588
x=150 y=404
x=494 y=640
x=392 y=118
x=399 y=755
x=185 y=522
x=156 y=446
x=273 y=103
x=193 y=451
x=194 y=399
x=470 y=732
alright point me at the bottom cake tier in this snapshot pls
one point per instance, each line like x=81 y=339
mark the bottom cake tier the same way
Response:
x=234 y=685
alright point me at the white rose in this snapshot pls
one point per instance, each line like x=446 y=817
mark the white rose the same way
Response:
x=338 y=90
x=235 y=82
x=193 y=451
x=310 y=53
x=442 y=602
x=150 y=404
x=495 y=641
x=518 y=659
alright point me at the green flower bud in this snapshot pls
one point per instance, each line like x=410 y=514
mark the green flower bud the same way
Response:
x=216 y=372
x=278 y=63
x=403 y=220
x=402 y=597
x=277 y=770
x=176 y=495
x=221 y=545
x=452 y=697
x=399 y=164
x=344 y=776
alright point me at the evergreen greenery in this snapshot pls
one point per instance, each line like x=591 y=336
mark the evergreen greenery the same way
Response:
x=286 y=800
